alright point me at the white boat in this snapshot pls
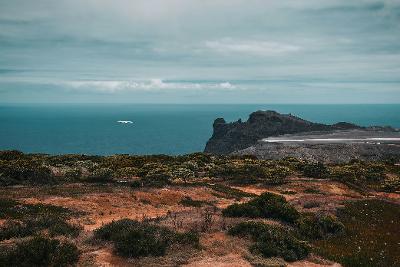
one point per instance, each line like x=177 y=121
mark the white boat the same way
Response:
x=125 y=122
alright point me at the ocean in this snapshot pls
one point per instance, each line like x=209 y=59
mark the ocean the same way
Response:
x=156 y=128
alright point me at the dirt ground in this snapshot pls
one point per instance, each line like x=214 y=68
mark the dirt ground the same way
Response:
x=102 y=204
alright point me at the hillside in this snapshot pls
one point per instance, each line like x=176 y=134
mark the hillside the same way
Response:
x=196 y=210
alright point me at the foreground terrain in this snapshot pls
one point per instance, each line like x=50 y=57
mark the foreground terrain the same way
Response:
x=197 y=210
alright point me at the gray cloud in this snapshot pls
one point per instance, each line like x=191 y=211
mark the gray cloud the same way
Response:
x=65 y=42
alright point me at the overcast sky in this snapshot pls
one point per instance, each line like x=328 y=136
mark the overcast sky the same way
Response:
x=200 y=51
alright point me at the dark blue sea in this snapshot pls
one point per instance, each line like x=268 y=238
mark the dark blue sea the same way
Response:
x=156 y=129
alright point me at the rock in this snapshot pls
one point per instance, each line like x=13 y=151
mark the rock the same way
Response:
x=327 y=153
x=230 y=137
x=236 y=136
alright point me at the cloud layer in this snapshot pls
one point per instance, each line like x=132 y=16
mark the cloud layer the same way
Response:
x=197 y=46
x=150 y=85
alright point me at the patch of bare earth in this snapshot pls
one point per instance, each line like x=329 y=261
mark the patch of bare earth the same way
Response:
x=101 y=204
x=103 y=207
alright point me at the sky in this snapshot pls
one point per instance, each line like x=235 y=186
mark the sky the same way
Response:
x=200 y=51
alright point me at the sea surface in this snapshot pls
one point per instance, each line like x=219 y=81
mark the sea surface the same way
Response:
x=156 y=129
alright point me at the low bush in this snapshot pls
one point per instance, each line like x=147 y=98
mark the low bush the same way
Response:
x=11 y=155
x=391 y=184
x=57 y=226
x=267 y=205
x=102 y=175
x=272 y=241
x=189 y=202
x=23 y=171
x=26 y=227
x=313 y=190
x=157 y=178
x=375 y=172
x=135 y=239
x=371 y=237
x=311 y=204
x=188 y=238
x=152 y=167
x=319 y=226
x=276 y=175
x=73 y=175
x=347 y=173
x=250 y=171
x=359 y=172
x=11 y=209
x=229 y=192
x=14 y=229
x=40 y=251
x=116 y=162
x=314 y=170
x=183 y=173
x=126 y=173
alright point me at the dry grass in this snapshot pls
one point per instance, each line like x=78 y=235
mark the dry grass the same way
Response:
x=101 y=204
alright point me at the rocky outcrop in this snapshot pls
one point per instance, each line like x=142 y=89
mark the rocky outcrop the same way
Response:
x=235 y=136
x=230 y=137
x=327 y=153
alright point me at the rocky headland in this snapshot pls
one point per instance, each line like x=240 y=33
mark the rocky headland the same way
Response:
x=350 y=141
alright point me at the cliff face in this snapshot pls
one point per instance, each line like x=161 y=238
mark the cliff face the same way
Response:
x=230 y=137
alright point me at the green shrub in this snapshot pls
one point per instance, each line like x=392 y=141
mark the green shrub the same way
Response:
x=142 y=241
x=11 y=209
x=189 y=202
x=315 y=227
x=11 y=155
x=57 y=227
x=314 y=170
x=371 y=237
x=126 y=173
x=359 y=172
x=40 y=251
x=276 y=175
x=229 y=192
x=102 y=175
x=135 y=239
x=391 y=184
x=291 y=162
x=116 y=162
x=24 y=172
x=347 y=173
x=250 y=171
x=311 y=204
x=313 y=190
x=267 y=205
x=151 y=167
x=86 y=164
x=239 y=172
x=73 y=175
x=198 y=157
x=272 y=241
x=188 y=238
x=375 y=172
x=157 y=178
x=111 y=230
x=14 y=229
x=26 y=227
x=183 y=173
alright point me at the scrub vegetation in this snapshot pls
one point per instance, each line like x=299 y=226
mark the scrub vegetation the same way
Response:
x=161 y=170
x=371 y=235
x=84 y=210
